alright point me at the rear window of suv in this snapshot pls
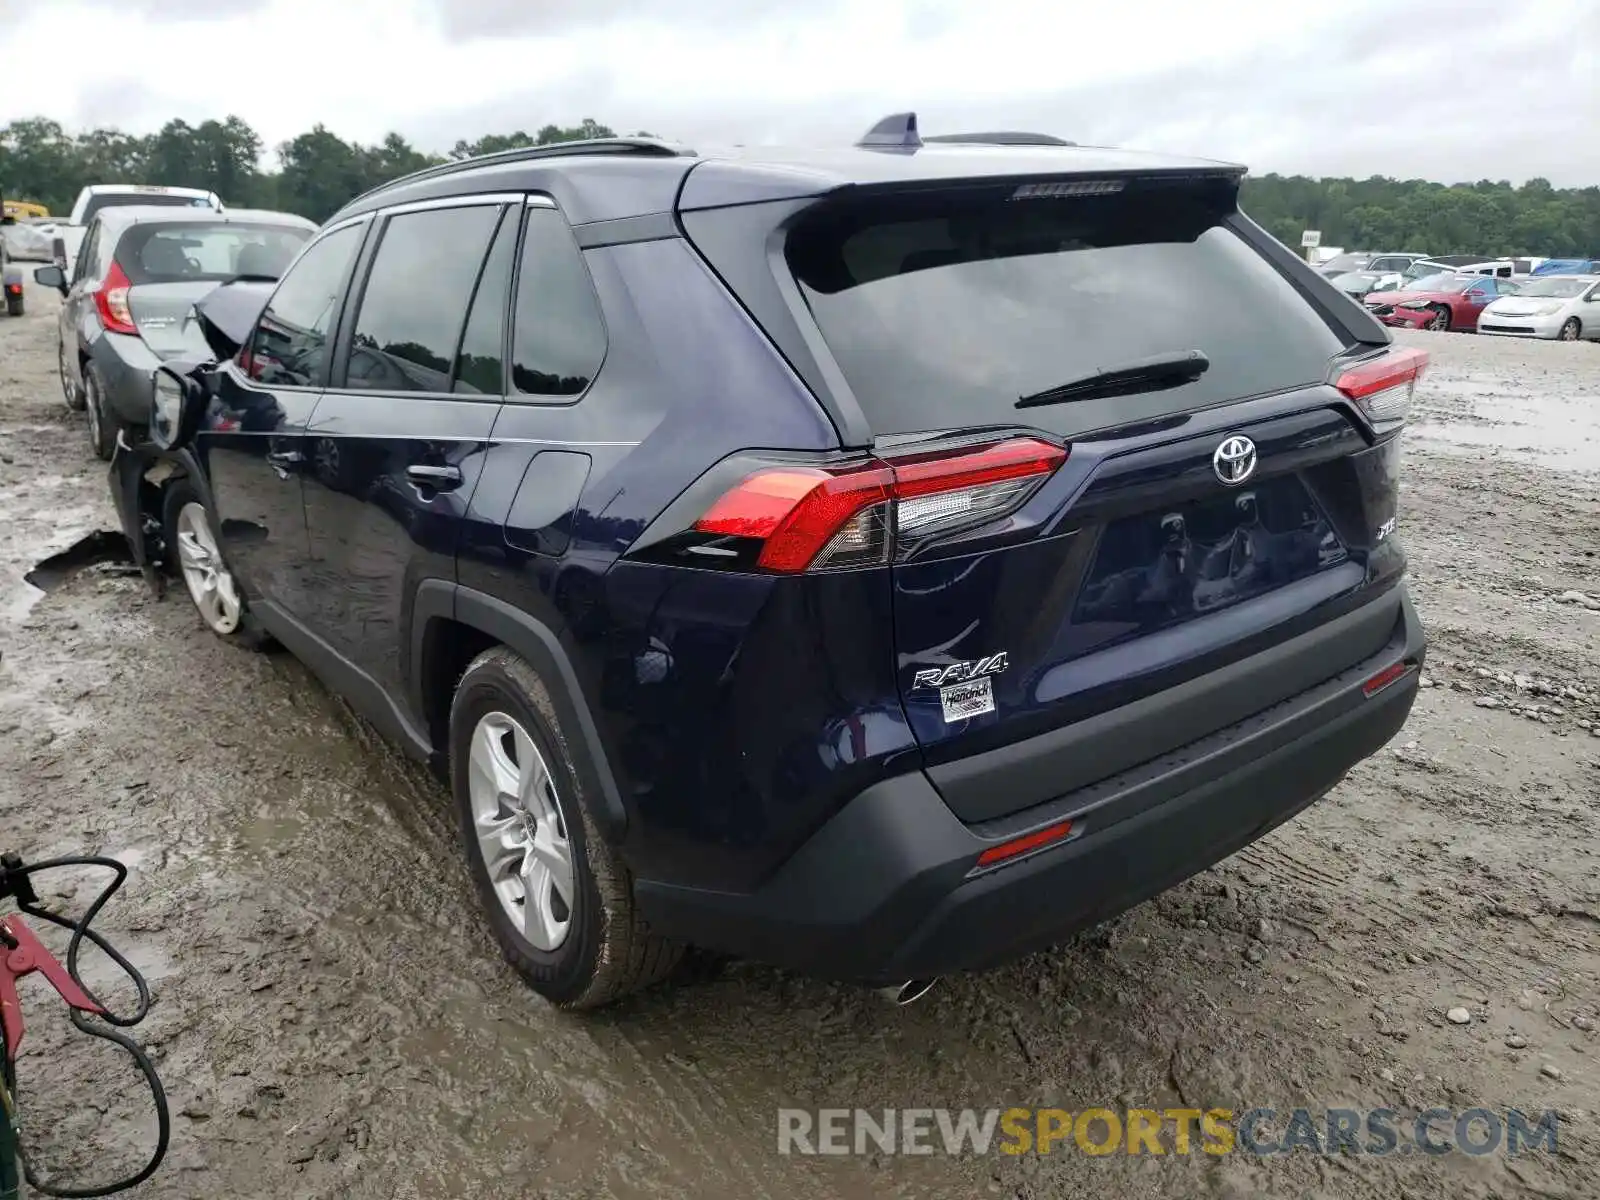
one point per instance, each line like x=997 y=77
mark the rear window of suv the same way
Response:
x=944 y=309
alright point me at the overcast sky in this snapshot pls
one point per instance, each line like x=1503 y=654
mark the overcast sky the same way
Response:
x=1441 y=89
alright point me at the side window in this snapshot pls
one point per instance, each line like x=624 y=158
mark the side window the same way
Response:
x=1481 y=289
x=415 y=302
x=86 y=252
x=290 y=344
x=558 y=337
x=480 y=363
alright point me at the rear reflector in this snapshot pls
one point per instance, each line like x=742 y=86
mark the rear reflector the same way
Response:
x=1383 y=387
x=1387 y=676
x=810 y=519
x=1025 y=844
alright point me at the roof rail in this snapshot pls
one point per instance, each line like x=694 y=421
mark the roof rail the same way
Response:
x=644 y=146
x=1001 y=138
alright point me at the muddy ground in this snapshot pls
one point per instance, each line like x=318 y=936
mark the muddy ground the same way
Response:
x=331 y=1019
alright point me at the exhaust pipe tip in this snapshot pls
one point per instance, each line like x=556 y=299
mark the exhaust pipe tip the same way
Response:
x=908 y=992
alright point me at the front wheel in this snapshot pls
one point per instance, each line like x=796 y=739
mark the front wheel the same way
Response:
x=192 y=544
x=558 y=900
x=1571 y=329
x=1440 y=321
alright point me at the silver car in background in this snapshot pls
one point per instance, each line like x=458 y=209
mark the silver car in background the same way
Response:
x=126 y=306
x=1560 y=307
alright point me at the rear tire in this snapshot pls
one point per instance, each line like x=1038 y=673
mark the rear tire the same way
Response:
x=189 y=528
x=13 y=306
x=1440 y=321
x=103 y=423
x=529 y=837
x=1571 y=330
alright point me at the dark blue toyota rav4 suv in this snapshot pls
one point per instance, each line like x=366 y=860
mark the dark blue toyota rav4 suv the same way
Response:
x=877 y=561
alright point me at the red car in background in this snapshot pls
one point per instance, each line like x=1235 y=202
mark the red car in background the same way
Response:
x=1439 y=302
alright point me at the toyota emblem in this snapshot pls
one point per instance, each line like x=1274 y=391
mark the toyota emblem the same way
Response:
x=1235 y=460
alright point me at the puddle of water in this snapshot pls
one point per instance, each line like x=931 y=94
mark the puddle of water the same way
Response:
x=23 y=596
x=101 y=546
x=1557 y=430
x=108 y=981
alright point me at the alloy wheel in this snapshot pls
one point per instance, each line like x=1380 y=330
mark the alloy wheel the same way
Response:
x=1440 y=321
x=210 y=584
x=521 y=834
x=1569 y=330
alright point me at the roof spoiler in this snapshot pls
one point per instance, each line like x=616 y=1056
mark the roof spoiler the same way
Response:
x=1003 y=137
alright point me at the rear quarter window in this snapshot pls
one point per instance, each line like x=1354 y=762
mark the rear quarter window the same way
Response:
x=944 y=310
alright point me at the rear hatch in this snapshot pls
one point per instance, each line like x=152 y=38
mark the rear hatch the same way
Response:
x=1120 y=461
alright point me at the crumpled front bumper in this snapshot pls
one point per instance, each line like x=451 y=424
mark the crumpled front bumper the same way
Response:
x=135 y=475
x=1408 y=318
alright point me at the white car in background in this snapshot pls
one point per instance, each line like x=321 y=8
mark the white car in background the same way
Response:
x=69 y=233
x=1563 y=307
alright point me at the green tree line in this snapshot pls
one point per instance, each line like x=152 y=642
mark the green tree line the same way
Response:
x=1487 y=217
x=318 y=171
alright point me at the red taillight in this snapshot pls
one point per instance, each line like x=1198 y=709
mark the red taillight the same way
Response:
x=811 y=518
x=13 y=289
x=1383 y=387
x=1026 y=844
x=111 y=301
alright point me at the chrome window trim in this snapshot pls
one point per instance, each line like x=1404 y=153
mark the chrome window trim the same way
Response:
x=467 y=200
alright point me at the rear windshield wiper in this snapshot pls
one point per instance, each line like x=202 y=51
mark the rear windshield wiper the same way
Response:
x=1151 y=374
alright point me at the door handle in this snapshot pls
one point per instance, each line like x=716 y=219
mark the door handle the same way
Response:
x=439 y=479
x=284 y=461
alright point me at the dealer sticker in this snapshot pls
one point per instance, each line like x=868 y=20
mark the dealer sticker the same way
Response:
x=963 y=700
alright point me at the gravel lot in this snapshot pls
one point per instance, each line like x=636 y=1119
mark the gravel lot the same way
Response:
x=333 y=1021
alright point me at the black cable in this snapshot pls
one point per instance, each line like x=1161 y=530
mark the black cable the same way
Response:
x=80 y=929
x=14 y=880
x=163 y=1121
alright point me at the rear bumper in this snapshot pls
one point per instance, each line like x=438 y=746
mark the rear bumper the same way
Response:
x=885 y=891
x=126 y=367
